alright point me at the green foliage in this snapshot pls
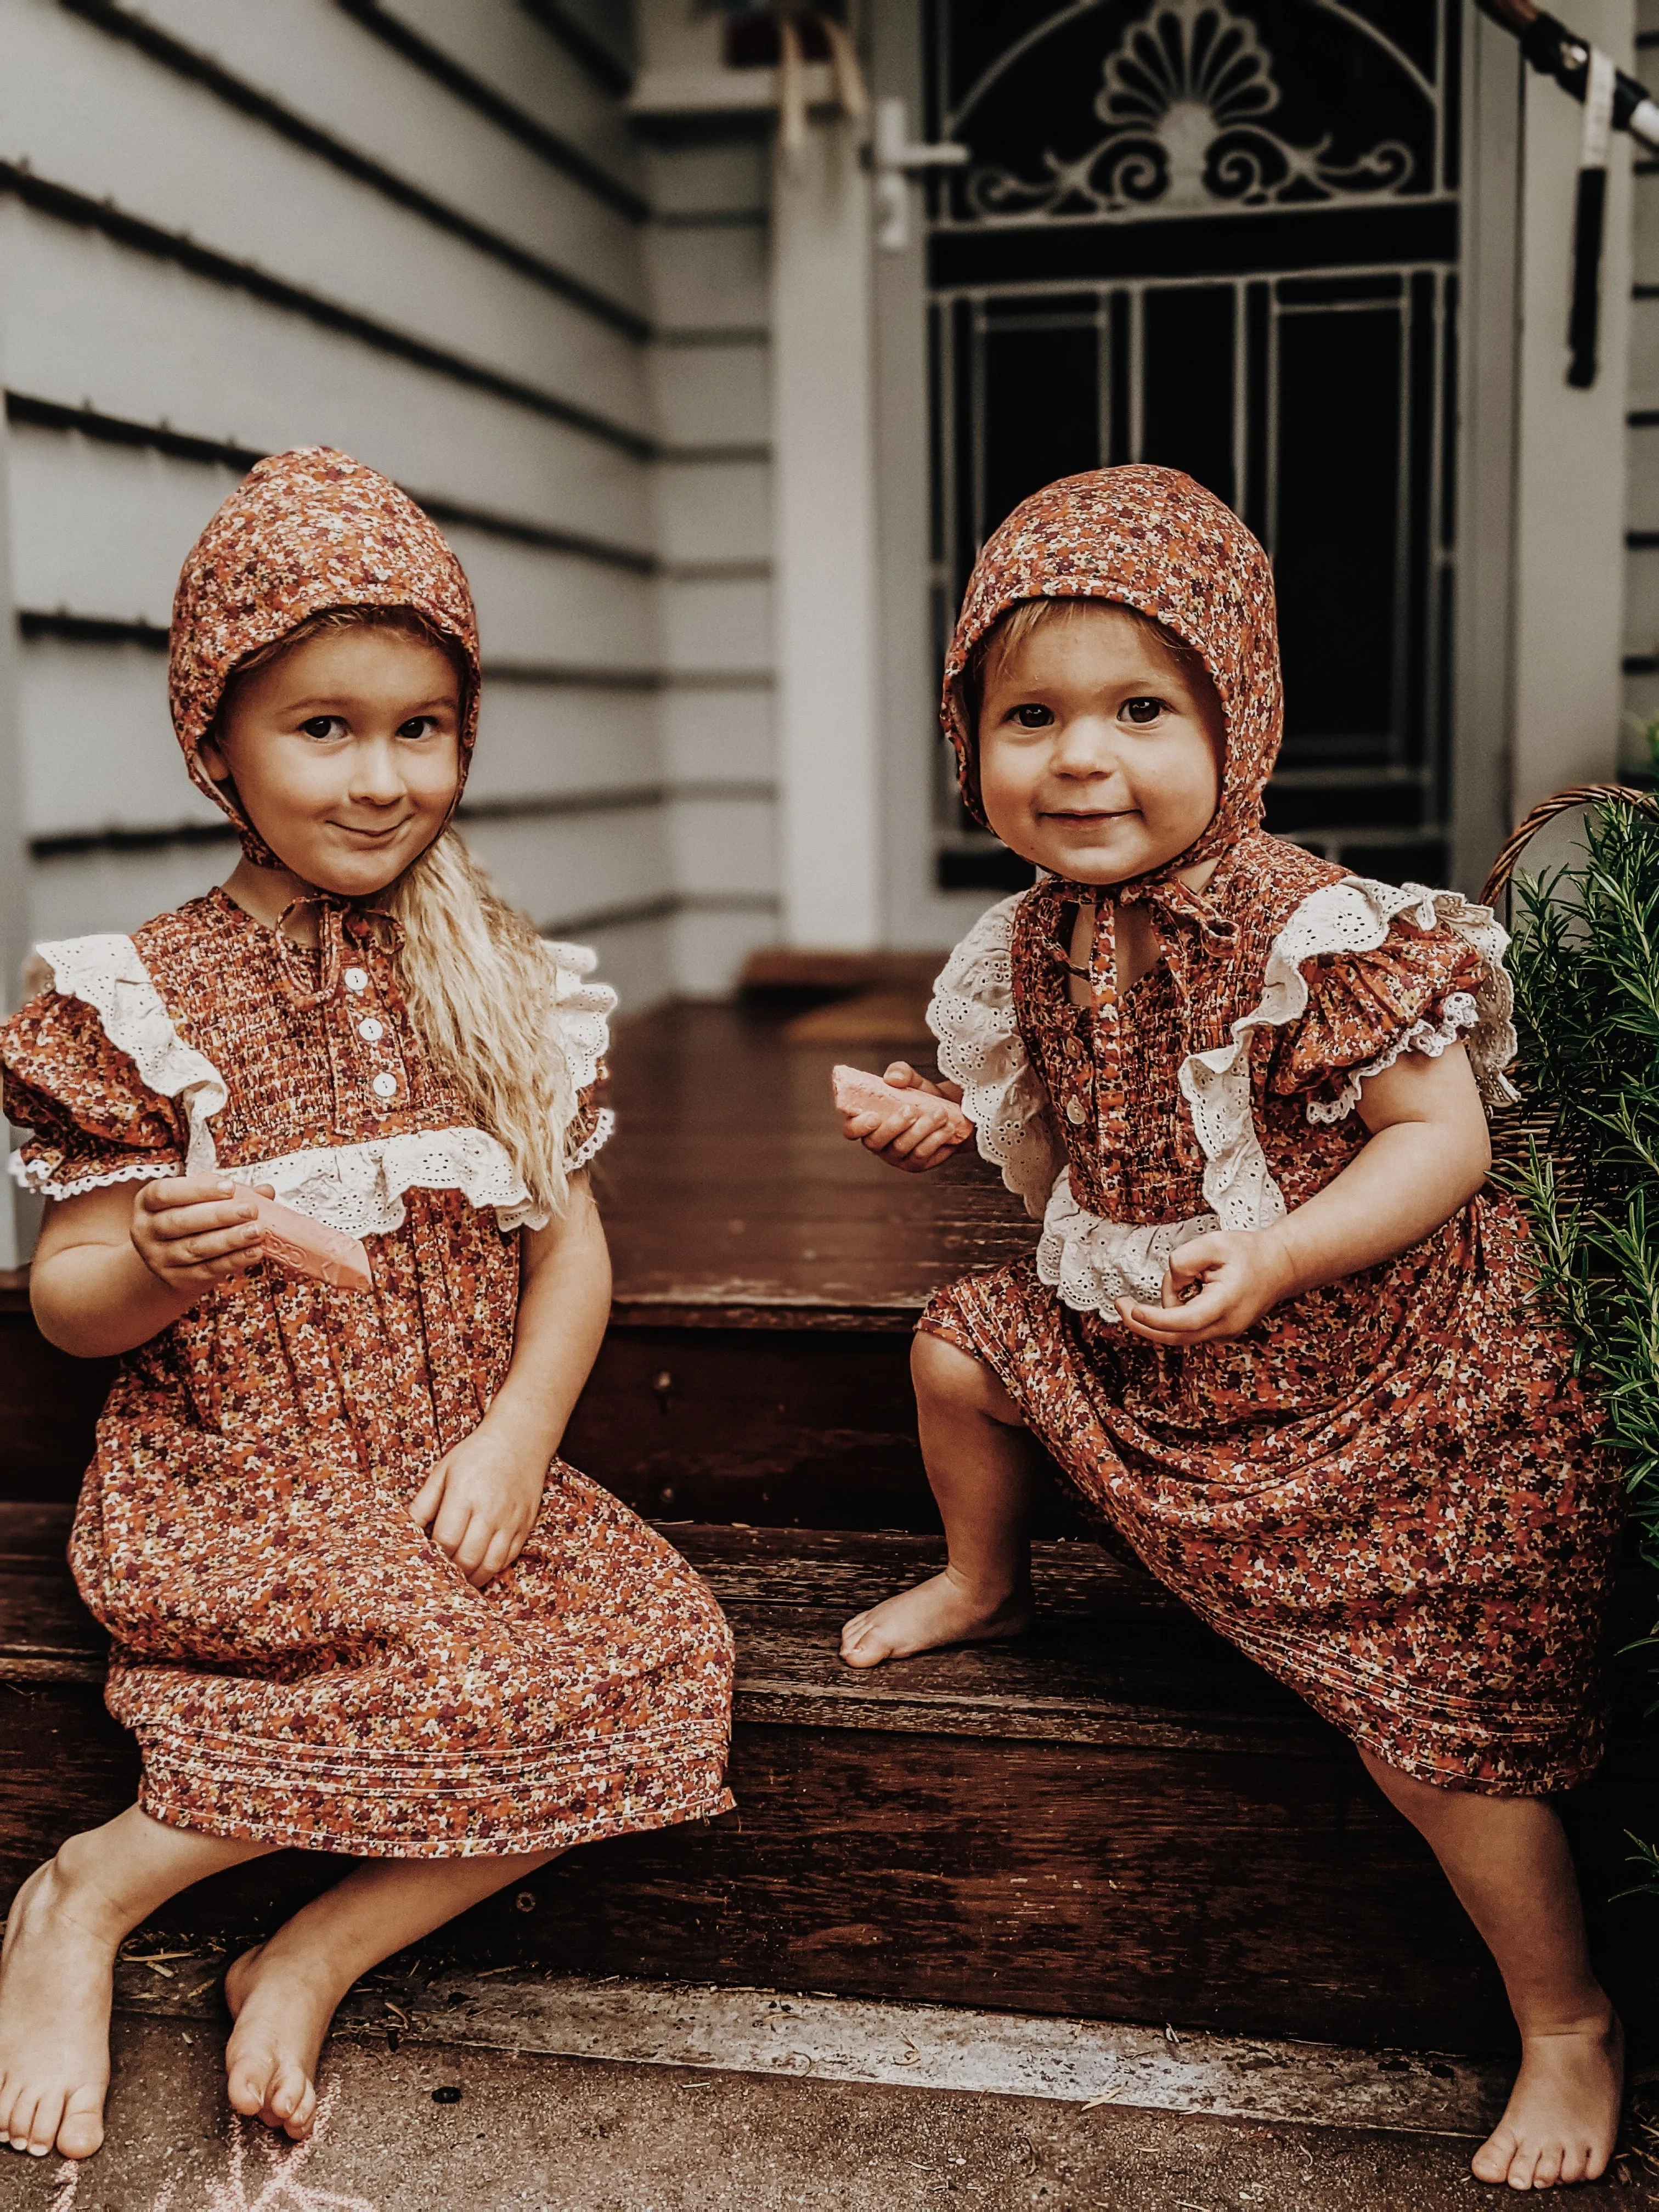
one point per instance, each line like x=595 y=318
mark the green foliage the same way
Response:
x=1586 y=967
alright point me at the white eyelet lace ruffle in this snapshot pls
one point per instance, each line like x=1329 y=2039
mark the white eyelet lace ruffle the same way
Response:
x=604 y=1126
x=972 y=1015
x=584 y=1010
x=1092 y=1262
x=35 y=1177
x=360 y=1189
x=107 y=973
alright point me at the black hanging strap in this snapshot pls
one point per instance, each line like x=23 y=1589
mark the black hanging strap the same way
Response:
x=1589 y=220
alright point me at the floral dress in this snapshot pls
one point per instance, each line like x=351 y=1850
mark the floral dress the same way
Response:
x=298 y=1662
x=1389 y=1492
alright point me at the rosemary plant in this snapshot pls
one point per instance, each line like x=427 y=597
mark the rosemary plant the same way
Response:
x=1585 y=962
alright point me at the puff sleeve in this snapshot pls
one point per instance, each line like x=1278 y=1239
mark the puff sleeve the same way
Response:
x=91 y=1119
x=1434 y=978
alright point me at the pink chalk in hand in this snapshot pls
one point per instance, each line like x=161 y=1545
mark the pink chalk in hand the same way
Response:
x=299 y=1246
x=856 y=1091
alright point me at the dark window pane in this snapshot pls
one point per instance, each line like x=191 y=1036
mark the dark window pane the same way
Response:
x=1041 y=398
x=1333 y=549
x=1187 y=403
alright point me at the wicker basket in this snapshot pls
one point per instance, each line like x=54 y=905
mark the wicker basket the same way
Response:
x=1517 y=1130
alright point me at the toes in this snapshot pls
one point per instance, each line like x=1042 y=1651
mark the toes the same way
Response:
x=1522 y=2166
x=81 y=2130
x=1577 y=2163
x=42 y=2129
x=245 y=2085
x=286 y=2095
x=303 y=2119
x=1546 y=2170
x=1491 y=2161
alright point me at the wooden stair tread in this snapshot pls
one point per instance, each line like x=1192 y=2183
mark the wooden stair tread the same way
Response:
x=1090 y=1672
x=730 y=1191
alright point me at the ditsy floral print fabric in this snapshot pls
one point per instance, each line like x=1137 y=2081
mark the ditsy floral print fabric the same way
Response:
x=304 y=531
x=299 y=1664
x=1389 y=1492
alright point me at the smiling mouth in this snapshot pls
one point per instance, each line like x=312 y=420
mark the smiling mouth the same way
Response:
x=372 y=836
x=1089 y=813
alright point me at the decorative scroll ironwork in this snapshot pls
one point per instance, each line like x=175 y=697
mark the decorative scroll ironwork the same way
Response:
x=1196 y=122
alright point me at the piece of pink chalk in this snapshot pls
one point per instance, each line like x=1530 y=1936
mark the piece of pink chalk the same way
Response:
x=299 y=1246
x=857 y=1091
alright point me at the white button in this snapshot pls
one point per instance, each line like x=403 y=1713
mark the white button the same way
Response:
x=385 y=1086
x=371 y=1030
x=357 y=979
x=1075 y=1112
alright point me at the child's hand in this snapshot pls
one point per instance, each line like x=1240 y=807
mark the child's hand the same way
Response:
x=914 y=1144
x=192 y=1234
x=480 y=1503
x=1215 y=1286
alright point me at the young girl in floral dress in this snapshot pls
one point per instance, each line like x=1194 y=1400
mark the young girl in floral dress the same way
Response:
x=1273 y=1330
x=356 y=1603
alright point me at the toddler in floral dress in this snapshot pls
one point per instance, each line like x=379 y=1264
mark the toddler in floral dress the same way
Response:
x=1274 y=1330
x=356 y=1602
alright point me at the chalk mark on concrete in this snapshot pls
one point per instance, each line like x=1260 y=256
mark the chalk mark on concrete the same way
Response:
x=284 y=2190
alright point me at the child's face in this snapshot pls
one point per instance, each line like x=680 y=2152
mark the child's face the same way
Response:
x=1099 y=754
x=345 y=754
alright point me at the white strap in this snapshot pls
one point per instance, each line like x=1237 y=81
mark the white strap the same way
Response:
x=1600 y=80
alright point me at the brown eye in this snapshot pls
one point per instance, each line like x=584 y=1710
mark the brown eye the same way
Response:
x=1142 y=711
x=1032 y=716
x=321 y=725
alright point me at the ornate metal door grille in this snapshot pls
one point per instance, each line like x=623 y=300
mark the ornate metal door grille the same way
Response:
x=1222 y=236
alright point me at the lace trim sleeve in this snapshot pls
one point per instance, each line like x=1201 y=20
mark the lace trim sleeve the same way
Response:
x=972 y=1015
x=1353 y=915
x=107 y=974
x=1458 y=1013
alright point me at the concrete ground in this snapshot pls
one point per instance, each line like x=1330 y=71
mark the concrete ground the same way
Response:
x=429 y=2127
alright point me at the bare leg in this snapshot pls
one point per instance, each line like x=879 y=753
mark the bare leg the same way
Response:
x=980 y=1462
x=1508 y=1860
x=283 y=1993
x=66 y=1924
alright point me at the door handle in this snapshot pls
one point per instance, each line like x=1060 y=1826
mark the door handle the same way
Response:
x=897 y=159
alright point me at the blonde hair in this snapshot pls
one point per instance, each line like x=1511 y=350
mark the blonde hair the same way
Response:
x=479 y=981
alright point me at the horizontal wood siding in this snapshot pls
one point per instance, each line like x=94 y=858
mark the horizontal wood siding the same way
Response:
x=427 y=235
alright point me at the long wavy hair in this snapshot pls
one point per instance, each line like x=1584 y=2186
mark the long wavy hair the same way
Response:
x=478 y=980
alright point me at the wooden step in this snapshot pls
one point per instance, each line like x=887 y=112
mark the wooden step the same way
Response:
x=1116 y=1816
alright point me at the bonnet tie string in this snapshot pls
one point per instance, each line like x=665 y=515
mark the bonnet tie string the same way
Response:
x=336 y=921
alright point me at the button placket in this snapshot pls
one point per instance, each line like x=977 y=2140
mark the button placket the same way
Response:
x=374 y=1041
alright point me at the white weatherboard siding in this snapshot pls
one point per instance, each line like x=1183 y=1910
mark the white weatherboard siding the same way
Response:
x=428 y=234
x=1570 y=489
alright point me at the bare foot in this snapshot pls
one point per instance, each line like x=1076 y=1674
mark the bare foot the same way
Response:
x=1562 y=2120
x=57 y=1977
x=942 y=1610
x=282 y=2002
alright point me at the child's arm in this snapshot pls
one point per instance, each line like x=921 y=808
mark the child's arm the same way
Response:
x=481 y=1500
x=112 y=1270
x=898 y=1135
x=1429 y=1153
